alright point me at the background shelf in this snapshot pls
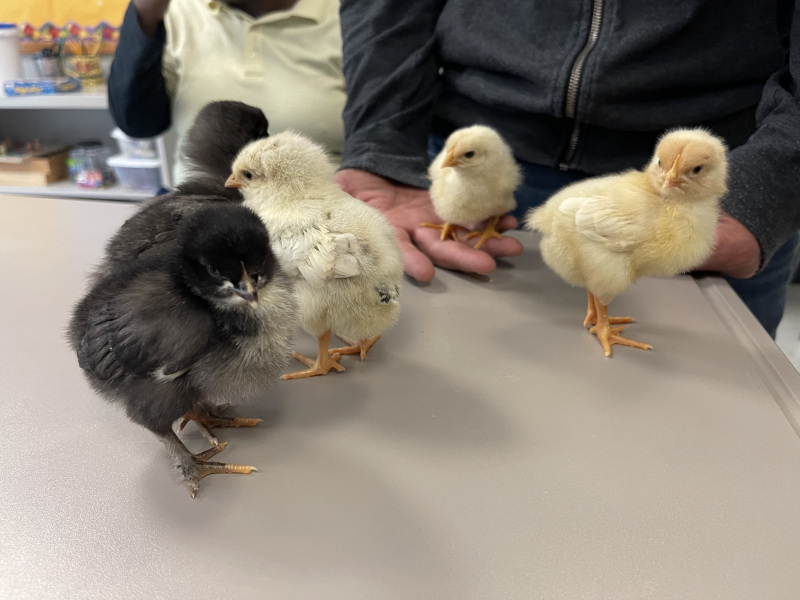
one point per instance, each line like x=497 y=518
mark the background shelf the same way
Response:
x=91 y=98
x=67 y=189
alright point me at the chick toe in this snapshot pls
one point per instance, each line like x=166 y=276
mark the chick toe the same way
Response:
x=487 y=234
x=608 y=335
x=447 y=229
x=194 y=467
x=321 y=366
x=207 y=421
x=361 y=347
x=197 y=469
x=323 y=363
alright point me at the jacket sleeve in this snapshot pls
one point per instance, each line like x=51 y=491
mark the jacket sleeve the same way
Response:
x=137 y=91
x=391 y=70
x=764 y=178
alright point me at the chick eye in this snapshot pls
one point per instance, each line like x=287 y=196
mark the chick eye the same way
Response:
x=659 y=162
x=213 y=271
x=247 y=174
x=469 y=154
x=697 y=169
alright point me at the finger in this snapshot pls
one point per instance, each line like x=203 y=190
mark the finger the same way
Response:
x=453 y=255
x=507 y=223
x=415 y=263
x=506 y=246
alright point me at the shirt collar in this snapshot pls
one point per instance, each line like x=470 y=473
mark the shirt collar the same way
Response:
x=313 y=10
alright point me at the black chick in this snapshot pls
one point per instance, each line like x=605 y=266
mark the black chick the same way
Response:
x=217 y=134
x=177 y=333
x=219 y=131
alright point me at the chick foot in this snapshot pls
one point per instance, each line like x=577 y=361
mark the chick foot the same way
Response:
x=448 y=230
x=207 y=421
x=591 y=314
x=321 y=366
x=487 y=234
x=194 y=467
x=361 y=347
x=608 y=335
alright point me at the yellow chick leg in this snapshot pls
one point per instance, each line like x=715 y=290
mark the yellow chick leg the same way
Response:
x=608 y=335
x=324 y=363
x=206 y=421
x=486 y=234
x=591 y=314
x=359 y=347
x=448 y=229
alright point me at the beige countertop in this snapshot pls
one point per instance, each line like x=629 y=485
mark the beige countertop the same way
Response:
x=485 y=449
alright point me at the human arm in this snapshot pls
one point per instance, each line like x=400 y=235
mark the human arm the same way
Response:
x=762 y=209
x=137 y=90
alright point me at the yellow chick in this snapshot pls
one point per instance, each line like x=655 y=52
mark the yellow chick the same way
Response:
x=606 y=232
x=342 y=254
x=473 y=179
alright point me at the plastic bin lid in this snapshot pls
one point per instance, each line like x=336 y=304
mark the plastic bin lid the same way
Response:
x=120 y=160
x=118 y=134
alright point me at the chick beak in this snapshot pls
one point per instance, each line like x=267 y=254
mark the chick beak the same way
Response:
x=450 y=159
x=232 y=182
x=672 y=178
x=246 y=290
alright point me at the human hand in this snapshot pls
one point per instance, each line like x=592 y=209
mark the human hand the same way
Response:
x=736 y=250
x=406 y=208
x=151 y=13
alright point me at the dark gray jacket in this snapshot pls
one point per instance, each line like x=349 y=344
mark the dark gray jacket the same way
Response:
x=586 y=85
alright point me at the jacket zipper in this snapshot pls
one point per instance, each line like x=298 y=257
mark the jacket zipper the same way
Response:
x=574 y=83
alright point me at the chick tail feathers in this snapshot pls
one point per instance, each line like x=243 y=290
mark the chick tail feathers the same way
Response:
x=537 y=219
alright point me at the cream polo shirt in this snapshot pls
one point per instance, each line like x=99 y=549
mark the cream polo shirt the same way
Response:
x=287 y=63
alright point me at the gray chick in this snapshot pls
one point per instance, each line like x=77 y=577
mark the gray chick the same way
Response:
x=179 y=333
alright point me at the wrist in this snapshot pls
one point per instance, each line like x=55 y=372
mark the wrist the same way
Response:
x=150 y=15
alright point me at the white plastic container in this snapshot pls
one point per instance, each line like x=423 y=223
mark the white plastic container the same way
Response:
x=135 y=147
x=10 y=63
x=137 y=173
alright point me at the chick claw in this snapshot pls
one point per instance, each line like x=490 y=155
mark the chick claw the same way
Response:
x=448 y=230
x=206 y=422
x=361 y=347
x=321 y=366
x=199 y=467
x=486 y=234
x=324 y=363
x=608 y=337
x=603 y=330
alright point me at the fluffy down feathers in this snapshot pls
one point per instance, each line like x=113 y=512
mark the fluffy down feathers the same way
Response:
x=219 y=131
x=165 y=333
x=474 y=177
x=606 y=232
x=343 y=254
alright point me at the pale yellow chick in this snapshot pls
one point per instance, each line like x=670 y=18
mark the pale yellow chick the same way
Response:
x=343 y=255
x=473 y=179
x=606 y=232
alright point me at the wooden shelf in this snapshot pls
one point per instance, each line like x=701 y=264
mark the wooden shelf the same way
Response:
x=95 y=98
x=67 y=189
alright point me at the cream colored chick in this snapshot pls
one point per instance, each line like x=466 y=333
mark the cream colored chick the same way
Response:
x=473 y=179
x=343 y=255
x=606 y=232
